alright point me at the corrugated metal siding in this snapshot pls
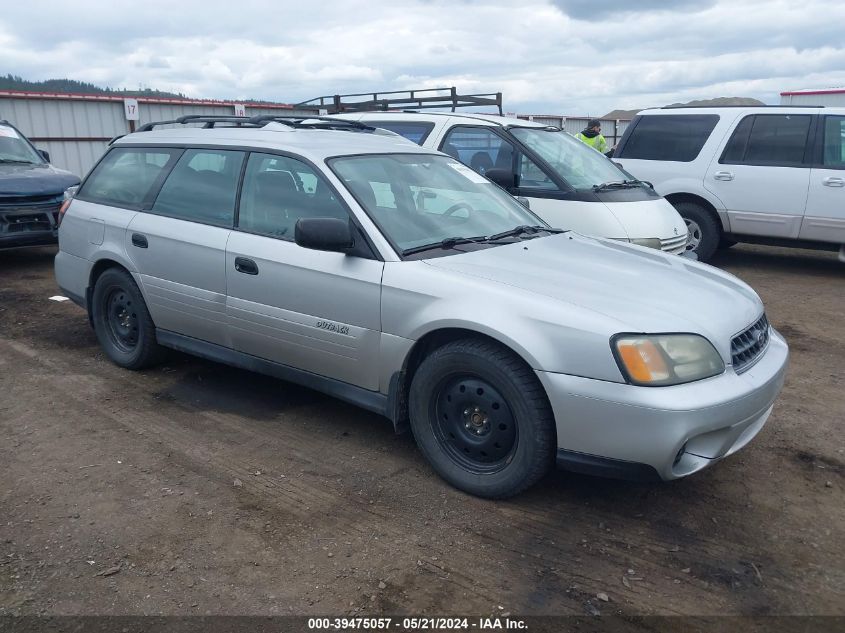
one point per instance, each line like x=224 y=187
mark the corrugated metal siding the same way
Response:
x=573 y=125
x=832 y=99
x=76 y=132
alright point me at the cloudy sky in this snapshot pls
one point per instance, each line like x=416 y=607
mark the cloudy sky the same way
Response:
x=577 y=57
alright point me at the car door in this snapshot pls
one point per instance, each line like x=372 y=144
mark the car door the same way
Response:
x=179 y=245
x=762 y=174
x=313 y=310
x=824 y=219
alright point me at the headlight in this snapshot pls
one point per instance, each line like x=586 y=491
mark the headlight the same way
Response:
x=659 y=360
x=651 y=242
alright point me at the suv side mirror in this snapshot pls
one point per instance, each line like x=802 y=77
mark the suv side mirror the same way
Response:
x=44 y=154
x=324 y=234
x=502 y=177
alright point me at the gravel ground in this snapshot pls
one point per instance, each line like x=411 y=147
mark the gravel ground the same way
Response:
x=194 y=488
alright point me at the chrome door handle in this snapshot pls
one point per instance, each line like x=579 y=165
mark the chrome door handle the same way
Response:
x=723 y=175
x=833 y=181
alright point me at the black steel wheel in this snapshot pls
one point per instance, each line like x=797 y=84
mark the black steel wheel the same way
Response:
x=122 y=322
x=481 y=418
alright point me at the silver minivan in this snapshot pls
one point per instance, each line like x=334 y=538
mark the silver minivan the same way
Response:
x=396 y=278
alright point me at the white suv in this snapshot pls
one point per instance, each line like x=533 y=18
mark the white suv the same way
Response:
x=767 y=174
x=565 y=182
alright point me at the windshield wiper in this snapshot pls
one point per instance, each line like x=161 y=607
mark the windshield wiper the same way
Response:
x=17 y=162
x=617 y=184
x=522 y=229
x=449 y=242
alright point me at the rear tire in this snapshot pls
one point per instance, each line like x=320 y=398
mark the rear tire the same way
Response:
x=704 y=230
x=482 y=419
x=122 y=322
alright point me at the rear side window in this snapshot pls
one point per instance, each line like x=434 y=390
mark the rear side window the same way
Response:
x=128 y=177
x=411 y=130
x=768 y=139
x=202 y=187
x=834 y=142
x=675 y=137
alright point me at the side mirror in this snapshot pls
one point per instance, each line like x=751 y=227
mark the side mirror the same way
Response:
x=324 y=234
x=44 y=154
x=502 y=177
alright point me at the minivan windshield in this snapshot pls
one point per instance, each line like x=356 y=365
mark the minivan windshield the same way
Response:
x=579 y=165
x=14 y=149
x=419 y=200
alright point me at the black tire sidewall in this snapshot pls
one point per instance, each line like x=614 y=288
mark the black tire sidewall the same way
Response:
x=143 y=352
x=711 y=233
x=532 y=450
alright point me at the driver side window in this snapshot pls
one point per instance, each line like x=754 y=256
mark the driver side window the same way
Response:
x=532 y=177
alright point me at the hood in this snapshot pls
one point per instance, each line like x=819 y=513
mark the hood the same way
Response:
x=34 y=180
x=640 y=288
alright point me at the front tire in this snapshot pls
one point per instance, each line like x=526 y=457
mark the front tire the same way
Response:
x=482 y=419
x=703 y=228
x=122 y=322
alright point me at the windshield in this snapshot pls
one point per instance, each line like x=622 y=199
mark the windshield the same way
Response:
x=420 y=199
x=14 y=149
x=579 y=165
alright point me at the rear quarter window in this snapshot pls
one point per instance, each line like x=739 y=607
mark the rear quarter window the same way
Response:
x=670 y=137
x=128 y=177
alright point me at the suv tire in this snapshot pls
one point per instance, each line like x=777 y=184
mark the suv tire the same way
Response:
x=704 y=230
x=482 y=419
x=122 y=322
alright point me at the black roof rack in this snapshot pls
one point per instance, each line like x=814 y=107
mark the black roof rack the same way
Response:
x=260 y=120
x=681 y=107
x=417 y=99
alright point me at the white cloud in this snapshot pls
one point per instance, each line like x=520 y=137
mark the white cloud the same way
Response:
x=542 y=58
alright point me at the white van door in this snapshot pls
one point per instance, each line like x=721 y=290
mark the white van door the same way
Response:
x=762 y=174
x=824 y=219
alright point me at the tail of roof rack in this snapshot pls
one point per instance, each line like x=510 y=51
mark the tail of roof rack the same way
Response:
x=291 y=120
x=401 y=100
x=693 y=107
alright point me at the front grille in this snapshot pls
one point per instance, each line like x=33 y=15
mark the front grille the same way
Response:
x=747 y=346
x=23 y=219
x=674 y=245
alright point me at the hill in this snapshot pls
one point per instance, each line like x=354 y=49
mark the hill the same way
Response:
x=719 y=101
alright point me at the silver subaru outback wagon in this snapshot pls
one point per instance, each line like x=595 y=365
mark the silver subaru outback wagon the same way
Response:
x=396 y=278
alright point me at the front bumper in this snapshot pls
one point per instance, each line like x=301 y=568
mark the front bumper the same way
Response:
x=29 y=225
x=662 y=432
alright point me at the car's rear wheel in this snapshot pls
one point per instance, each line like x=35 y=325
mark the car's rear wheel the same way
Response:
x=122 y=322
x=482 y=419
x=702 y=228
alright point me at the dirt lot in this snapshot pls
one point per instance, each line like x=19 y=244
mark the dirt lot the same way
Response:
x=195 y=488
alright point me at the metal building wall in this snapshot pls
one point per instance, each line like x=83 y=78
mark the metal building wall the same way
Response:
x=831 y=99
x=76 y=131
x=573 y=125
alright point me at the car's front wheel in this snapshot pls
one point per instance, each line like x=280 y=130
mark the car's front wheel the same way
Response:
x=482 y=419
x=122 y=322
x=702 y=228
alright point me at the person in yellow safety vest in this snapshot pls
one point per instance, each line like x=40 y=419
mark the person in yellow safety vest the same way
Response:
x=591 y=135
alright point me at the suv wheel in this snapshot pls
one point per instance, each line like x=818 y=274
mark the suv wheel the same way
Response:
x=122 y=323
x=704 y=231
x=482 y=419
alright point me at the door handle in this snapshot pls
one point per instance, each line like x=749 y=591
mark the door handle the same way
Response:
x=246 y=266
x=139 y=240
x=833 y=181
x=723 y=175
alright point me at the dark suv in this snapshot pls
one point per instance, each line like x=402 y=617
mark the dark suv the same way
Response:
x=31 y=191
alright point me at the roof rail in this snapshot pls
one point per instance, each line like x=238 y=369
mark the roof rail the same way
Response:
x=682 y=107
x=208 y=119
x=291 y=120
x=417 y=99
x=318 y=122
